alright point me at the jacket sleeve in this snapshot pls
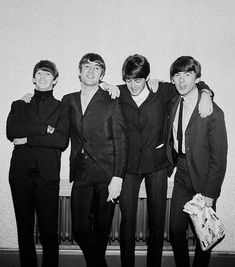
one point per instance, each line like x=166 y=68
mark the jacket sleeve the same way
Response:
x=202 y=85
x=218 y=155
x=17 y=128
x=59 y=138
x=170 y=91
x=120 y=141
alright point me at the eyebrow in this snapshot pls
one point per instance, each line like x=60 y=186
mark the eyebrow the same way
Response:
x=184 y=71
x=97 y=64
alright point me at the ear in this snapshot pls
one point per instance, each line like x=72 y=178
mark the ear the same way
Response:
x=33 y=80
x=79 y=74
x=55 y=81
x=147 y=78
x=198 y=80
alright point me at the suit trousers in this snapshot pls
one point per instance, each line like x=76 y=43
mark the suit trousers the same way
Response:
x=92 y=217
x=179 y=220
x=30 y=195
x=156 y=190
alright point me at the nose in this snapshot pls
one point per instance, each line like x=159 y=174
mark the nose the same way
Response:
x=132 y=84
x=91 y=70
x=181 y=78
x=43 y=75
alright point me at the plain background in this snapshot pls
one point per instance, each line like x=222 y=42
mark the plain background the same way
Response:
x=162 y=30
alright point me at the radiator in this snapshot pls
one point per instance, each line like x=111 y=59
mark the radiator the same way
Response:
x=65 y=230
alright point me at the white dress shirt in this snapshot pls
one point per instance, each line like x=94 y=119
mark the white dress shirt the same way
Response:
x=86 y=96
x=139 y=99
x=189 y=104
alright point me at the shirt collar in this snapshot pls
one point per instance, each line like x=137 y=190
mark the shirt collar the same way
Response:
x=191 y=97
x=142 y=96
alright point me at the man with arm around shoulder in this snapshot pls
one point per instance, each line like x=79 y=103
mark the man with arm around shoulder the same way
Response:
x=198 y=149
x=146 y=115
x=97 y=161
x=35 y=166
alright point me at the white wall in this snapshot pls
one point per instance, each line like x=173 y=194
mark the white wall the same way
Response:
x=63 y=31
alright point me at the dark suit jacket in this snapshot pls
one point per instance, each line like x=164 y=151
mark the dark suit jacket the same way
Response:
x=147 y=128
x=100 y=132
x=42 y=150
x=206 y=149
x=147 y=132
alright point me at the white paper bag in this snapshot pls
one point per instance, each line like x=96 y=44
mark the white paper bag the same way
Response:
x=207 y=225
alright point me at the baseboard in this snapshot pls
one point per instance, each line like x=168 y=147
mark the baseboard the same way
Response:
x=111 y=250
x=73 y=257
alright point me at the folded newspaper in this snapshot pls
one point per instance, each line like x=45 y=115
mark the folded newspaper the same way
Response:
x=207 y=225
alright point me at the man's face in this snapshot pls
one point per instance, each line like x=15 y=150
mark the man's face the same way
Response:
x=90 y=73
x=185 y=82
x=136 y=86
x=44 y=80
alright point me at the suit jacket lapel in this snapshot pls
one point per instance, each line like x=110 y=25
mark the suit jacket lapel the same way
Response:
x=148 y=99
x=194 y=115
x=127 y=98
x=174 y=105
x=99 y=94
x=79 y=104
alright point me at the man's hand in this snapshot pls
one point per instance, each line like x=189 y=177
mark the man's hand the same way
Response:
x=114 y=188
x=113 y=90
x=209 y=201
x=20 y=141
x=50 y=129
x=27 y=98
x=205 y=105
x=153 y=85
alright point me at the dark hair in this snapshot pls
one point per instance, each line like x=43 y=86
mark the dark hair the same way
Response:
x=46 y=65
x=185 y=64
x=135 y=66
x=93 y=58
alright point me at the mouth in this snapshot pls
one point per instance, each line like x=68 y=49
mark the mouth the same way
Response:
x=134 y=92
x=90 y=76
x=183 y=87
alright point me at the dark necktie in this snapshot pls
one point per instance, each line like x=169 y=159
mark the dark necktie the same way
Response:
x=179 y=130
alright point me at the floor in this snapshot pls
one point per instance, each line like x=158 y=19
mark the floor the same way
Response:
x=74 y=258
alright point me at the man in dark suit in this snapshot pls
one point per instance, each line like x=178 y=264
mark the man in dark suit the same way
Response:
x=97 y=161
x=200 y=149
x=35 y=166
x=146 y=114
